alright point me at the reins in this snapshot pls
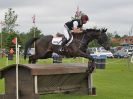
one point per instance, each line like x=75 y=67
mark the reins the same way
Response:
x=82 y=40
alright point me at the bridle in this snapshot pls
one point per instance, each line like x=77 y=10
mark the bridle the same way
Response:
x=101 y=41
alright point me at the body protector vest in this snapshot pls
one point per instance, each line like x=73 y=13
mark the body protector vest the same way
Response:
x=70 y=24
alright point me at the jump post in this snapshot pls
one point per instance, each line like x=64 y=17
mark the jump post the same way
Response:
x=35 y=80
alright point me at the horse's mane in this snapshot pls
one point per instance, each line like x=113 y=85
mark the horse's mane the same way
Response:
x=97 y=30
x=86 y=31
x=92 y=30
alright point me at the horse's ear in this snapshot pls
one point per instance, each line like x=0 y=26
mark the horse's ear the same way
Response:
x=104 y=29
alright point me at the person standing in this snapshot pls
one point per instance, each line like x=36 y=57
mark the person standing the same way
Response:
x=11 y=52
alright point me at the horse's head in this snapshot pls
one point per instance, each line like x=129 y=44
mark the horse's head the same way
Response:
x=100 y=35
x=103 y=39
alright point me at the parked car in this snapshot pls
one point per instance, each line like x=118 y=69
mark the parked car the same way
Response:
x=120 y=54
x=107 y=53
x=102 y=53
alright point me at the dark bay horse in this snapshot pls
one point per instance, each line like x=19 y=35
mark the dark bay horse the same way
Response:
x=77 y=48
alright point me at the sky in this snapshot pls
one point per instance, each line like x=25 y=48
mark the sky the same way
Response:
x=51 y=15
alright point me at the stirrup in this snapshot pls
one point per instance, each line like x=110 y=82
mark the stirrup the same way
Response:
x=61 y=49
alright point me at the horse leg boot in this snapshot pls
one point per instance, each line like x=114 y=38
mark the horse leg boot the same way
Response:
x=64 y=41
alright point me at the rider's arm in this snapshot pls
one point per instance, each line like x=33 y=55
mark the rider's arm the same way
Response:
x=75 y=28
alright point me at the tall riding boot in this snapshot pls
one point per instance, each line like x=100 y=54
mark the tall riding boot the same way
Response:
x=64 y=41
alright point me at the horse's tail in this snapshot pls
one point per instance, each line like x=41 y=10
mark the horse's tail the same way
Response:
x=28 y=45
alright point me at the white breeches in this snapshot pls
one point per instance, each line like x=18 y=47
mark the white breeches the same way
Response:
x=66 y=34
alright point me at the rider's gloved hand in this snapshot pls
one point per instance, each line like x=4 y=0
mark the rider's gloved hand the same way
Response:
x=84 y=31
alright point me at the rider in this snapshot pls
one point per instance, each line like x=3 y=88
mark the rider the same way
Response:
x=74 y=26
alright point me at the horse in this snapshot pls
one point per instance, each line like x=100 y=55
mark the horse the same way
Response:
x=77 y=48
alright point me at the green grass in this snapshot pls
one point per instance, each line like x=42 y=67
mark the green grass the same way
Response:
x=114 y=82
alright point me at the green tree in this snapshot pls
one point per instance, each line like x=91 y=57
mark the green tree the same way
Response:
x=124 y=36
x=117 y=36
x=10 y=21
x=3 y=37
x=110 y=35
x=34 y=32
x=8 y=30
x=23 y=38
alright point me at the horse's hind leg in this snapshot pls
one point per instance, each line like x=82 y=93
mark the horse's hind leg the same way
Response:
x=32 y=59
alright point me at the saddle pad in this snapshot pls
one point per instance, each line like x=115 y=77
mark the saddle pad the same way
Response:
x=57 y=40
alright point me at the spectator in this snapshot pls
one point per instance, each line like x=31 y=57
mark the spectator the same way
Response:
x=11 y=52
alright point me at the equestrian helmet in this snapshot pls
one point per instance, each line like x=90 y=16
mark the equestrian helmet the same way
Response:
x=84 y=17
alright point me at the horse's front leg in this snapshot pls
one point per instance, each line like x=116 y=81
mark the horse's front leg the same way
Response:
x=85 y=55
x=91 y=65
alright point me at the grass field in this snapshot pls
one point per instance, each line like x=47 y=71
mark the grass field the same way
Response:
x=114 y=82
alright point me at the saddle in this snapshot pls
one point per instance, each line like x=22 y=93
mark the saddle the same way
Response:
x=57 y=40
